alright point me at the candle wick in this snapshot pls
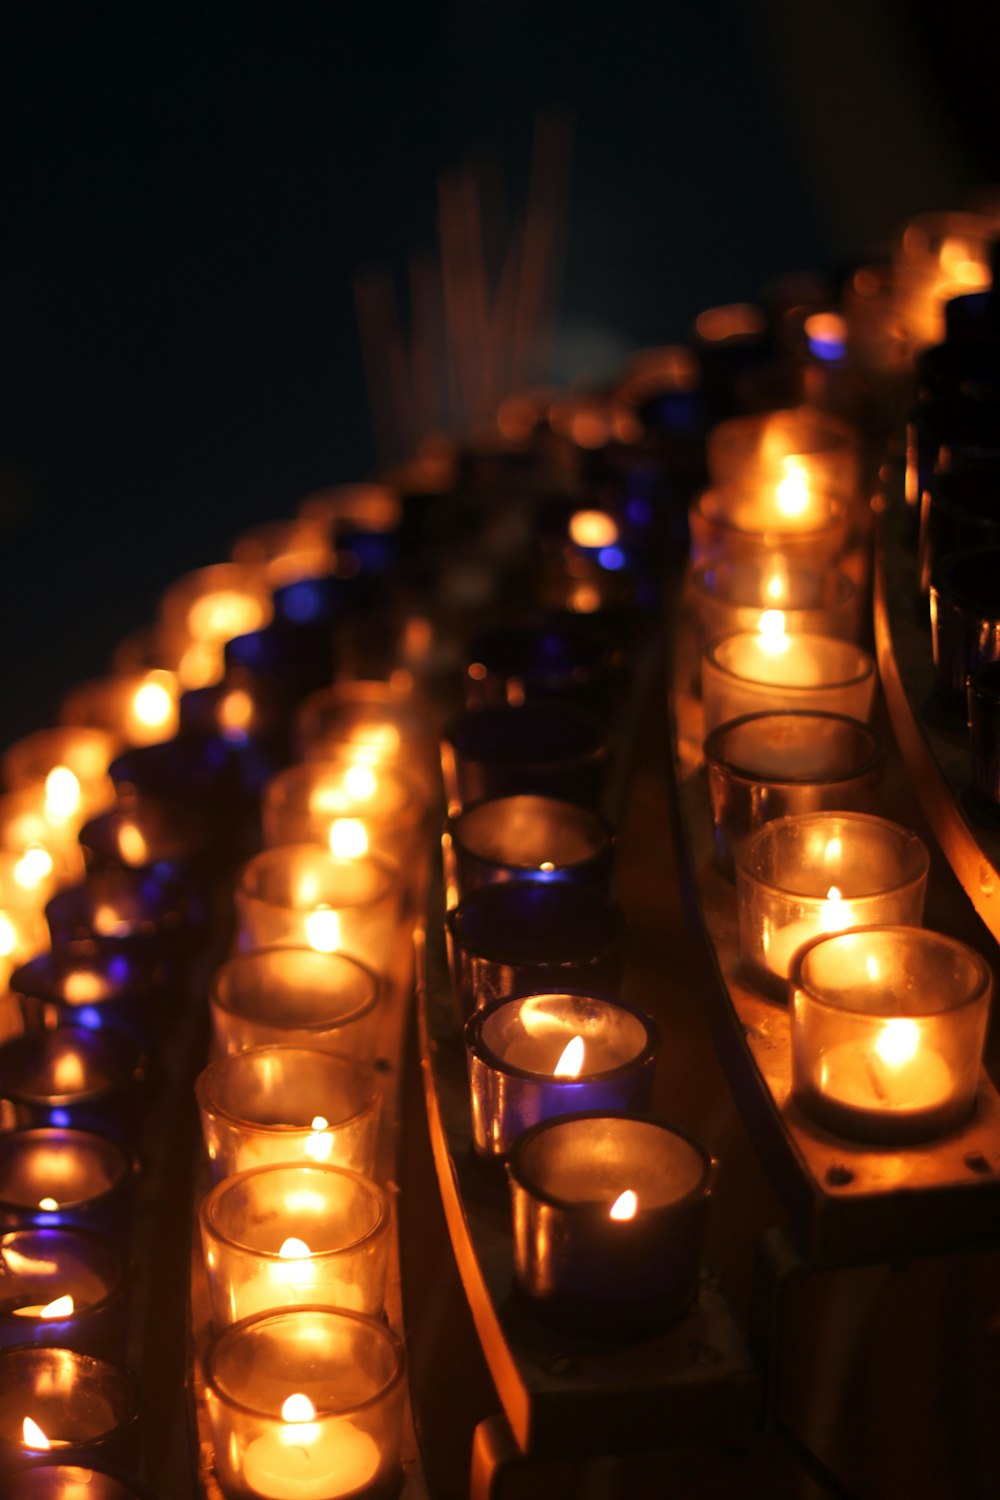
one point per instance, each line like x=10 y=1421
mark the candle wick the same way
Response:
x=875 y=1081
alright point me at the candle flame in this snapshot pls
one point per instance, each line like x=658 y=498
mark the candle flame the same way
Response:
x=220 y=616
x=319 y=1122
x=898 y=1041
x=791 y=493
x=771 y=626
x=833 y=915
x=67 y=1074
x=49 y=1205
x=131 y=845
x=294 y=1249
x=62 y=793
x=235 y=713
x=8 y=935
x=361 y=782
x=570 y=1062
x=872 y=967
x=624 y=1206
x=348 y=838
x=585 y=599
x=60 y=1307
x=776 y=587
x=34 y=866
x=33 y=1436
x=323 y=930
x=320 y=1144
x=80 y=987
x=152 y=705
x=593 y=528
x=298 y=1408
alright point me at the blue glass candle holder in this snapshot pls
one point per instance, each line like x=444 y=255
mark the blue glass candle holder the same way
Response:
x=540 y=1056
x=539 y=749
x=984 y=732
x=199 y=772
x=286 y=658
x=87 y=1408
x=137 y=909
x=47 y=1479
x=560 y=659
x=64 y=1178
x=93 y=984
x=527 y=938
x=90 y=1080
x=609 y=1217
x=148 y=833
x=528 y=838
x=324 y=601
x=40 y=1269
x=965 y=619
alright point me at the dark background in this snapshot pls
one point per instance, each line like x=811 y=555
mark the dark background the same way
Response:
x=187 y=191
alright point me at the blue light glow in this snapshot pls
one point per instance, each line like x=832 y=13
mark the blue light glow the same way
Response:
x=611 y=558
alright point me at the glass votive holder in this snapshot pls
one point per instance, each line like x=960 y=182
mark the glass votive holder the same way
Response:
x=282 y=1104
x=50 y=1480
x=984 y=730
x=527 y=838
x=91 y=984
x=802 y=876
x=609 y=1218
x=887 y=1027
x=63 y=1287
x=768 y=671
x=212 y=605
x=766 y=766
x=62 y=1403
x=539 y=749
x=730 y=596
x=286 y=551
x=526 y=938
x=91 y=1080
x=291 y=1233
x=375 y=724
x=565 y=659
x=140 y=910
x=69 y=766
x=138 y=708
x=66 y=1179
x=25 y=826
x=347 y=807
x=811 y=447
x=737 y=522
x=306 y=1401
x=540 y=1056
x=147 y=833
x=965 y=618
x=302 y=896
x=295 y=996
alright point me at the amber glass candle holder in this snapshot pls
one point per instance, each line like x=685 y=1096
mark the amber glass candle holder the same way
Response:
x=767 y=766
x=68 y=766
x=83 y=1409
x=295 y=996
x=73 y=1075
x=283 y=1235
x=306 y=1399
x=768 y=671
x=609 y=1218
x=529 y=838
x=984 y=731
x=137 y=708
x=526 y=938
x=733 y=523
x=65 y=1178
x=799 y=877
x=63 y=1287
x=888 y=1026
x=302 y=896
x=540 y=1056
x=731 y=596
x=287 y=1104
x=539 y=749
x=375 y=724
x=965 y=619
x=92 y=984
x=346 y=807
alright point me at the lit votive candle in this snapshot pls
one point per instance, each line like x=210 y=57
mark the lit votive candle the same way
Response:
x=374 y=724
x=74 y=1076
x=766 y=766
x=147 y=833
x=138 y=709
x=542 y=749
x=888 y=1025
x=733 y=522
x=802 y=876
x=528 y=838
x=91 y=984
x=540 y=1056
x=289 y=1234
x=286 y=551
x=346 y=806
x=803 y=448
x=770 y=671
x=27 y=824
x=26 y=880
x=523 y=937
x=732 y=596
x=296 y=996
x=63 y=1287
x=73 y=1406
x=306 y=1404
x=214 y=604
x=69 y=766
x=64 y=1177
x=609 y=1217
x=303 y=896
x=141 y=910
x=287 y=1104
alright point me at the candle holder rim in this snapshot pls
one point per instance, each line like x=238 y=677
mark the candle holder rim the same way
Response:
x=408 y=813
x=983 y=987
x=514 y=1167
x=360 y=1180
x=117 y=1267
x=387 y=869
x=377 y=1325
x=128 y=1050
x=593 y=817
x=866 y=662
x=568 y=891
x=481 y=1049
x=774 y=828
x=773 y=535
x=238 y=959
x=128 y=1386
x=211 y=1070
x=874 y=758
x=113 y=1149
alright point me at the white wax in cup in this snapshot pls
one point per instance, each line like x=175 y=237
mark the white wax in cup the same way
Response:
x=865 y=1080
x=329 y=1460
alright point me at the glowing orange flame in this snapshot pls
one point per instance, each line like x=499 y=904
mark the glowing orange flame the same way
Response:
x=625 y=1205
x=593 y=528
x=33 y=1436
x=323 y=930
x=298 y=1408
x=62 y=793
x=570 y=1063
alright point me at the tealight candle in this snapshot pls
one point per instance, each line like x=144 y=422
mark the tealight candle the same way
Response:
x=609 y=1217
x=523 y=937
x=730 y=596
x=72 y=1076
x=528 y=838
x=374 y=724
x=78 y=1407
x=297 y=996
x=287 y=1234
x=802 y=876
x=540 y=1056
x=769 y=671
x=91 y=984
x=766 y=766
x=63 y=1287
x=137 y=709
x=346 y=806
x=69 y=766
x=66 y=1178
x=540 y=749
x=306 y=1404
x=803 y=448
x=287 y=1104
x=733 y=523
x=888 y=1025
x=56 y=1481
